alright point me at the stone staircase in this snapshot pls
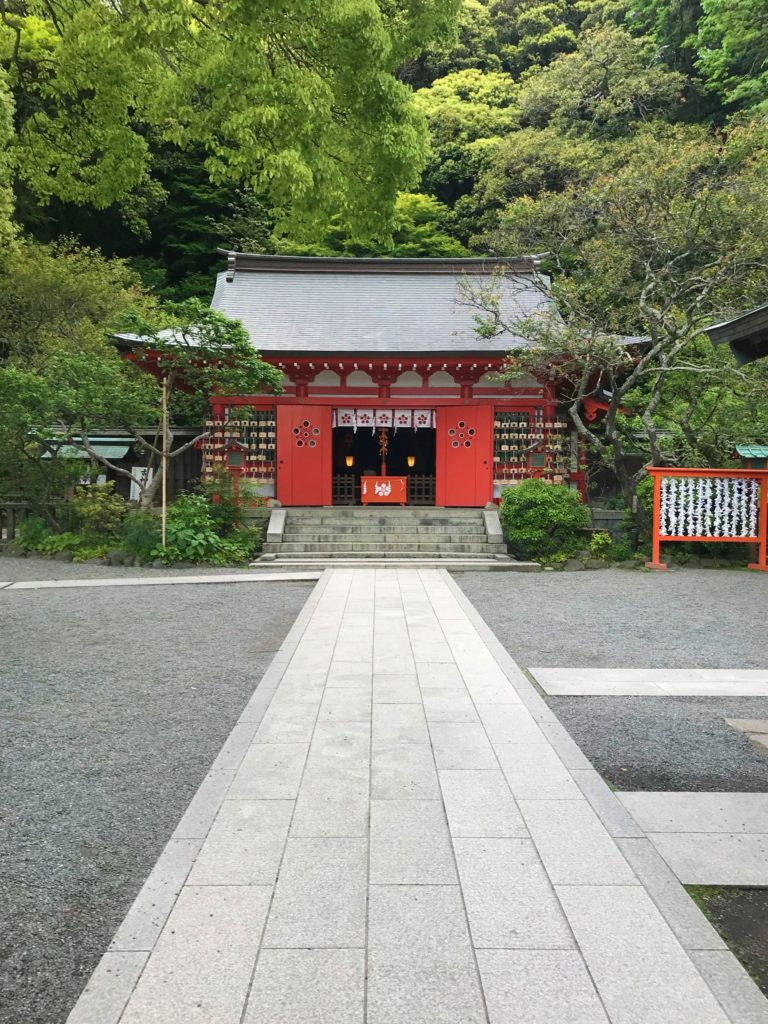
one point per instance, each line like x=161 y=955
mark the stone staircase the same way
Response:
x=449 y=537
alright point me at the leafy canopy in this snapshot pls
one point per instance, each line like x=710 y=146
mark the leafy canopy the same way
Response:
x=732 y=46
x=298 y=100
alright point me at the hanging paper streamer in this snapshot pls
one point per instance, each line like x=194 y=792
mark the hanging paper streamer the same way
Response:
x=373 y=418
x=423 y=418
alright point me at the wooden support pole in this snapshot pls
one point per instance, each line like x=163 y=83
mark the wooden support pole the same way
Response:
x=762 y=529
x=656 y=562
x=164 y=462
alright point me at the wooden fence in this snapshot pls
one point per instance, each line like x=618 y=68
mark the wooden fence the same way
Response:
x=12 y=515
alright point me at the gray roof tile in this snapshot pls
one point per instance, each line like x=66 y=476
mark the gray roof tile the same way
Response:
x=370 y=306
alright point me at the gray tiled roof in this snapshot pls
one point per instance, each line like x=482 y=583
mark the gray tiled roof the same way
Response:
x=371 y=306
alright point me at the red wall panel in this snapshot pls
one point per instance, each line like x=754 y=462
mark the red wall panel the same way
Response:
x=464 y=455
x=304 y=451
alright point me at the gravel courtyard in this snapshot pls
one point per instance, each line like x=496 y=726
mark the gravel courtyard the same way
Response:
x=115 y=703
x=614 y=618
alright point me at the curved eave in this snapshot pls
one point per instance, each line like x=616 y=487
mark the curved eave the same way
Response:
x=746 y=334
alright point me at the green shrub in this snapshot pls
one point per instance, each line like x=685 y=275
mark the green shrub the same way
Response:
x=82 y=545
x=601 y=545
x=140 y=533
x=623 y=550
x=223 y=510
x=190 y=532
x=644 y=493
x=541 y=519
x=98 y=509
x=32 y=532
x=239 y=546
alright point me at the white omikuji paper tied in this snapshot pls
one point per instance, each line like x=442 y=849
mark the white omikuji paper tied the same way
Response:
x=709 y=507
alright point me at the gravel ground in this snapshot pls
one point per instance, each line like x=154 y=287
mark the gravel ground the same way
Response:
x=614 y=618
x=668 y=743
x=14 y=570
x=610 y=618
x=115 y=702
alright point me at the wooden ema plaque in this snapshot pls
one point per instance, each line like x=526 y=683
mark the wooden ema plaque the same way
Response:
x=383 y=490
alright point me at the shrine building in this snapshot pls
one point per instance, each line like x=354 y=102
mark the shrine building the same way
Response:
x=390 y=394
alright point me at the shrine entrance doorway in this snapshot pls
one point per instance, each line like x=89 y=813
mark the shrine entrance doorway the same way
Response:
x=409 y=453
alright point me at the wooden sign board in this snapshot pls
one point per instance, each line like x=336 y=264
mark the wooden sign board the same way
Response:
x=383 y=490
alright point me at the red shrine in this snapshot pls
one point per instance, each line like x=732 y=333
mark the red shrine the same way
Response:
x=390 y=395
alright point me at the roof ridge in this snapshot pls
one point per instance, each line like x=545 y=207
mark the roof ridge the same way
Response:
x=254 y=262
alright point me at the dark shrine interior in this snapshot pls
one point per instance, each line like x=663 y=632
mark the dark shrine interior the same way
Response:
x=363 y=447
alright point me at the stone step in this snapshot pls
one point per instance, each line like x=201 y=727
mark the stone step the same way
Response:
x=383 y=544
x=366 y=533
x=451 y=564
x=375 y=519
x=386 y=554
x=395 y=510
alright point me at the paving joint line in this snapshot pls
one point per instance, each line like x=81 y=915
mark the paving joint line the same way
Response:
x=260 y=947
x=455 y=862
x=553 y=889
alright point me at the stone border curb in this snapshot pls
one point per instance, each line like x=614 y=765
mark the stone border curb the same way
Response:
x=164 y=581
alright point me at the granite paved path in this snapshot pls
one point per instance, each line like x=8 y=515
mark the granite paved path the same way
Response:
x=399 y=831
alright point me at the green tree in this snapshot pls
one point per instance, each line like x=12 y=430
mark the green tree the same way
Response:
x=61 y=296
x=672 y=24
x=299 y=101
x=421 y=228
x=611 y=82
x=62 y=379
x=644 y=257
x=476 y=45
x=7 y=231
x=541 y=31
x=467 y=111
x=732 y=47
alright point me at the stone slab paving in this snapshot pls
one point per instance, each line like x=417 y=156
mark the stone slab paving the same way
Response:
x=698 y=812
x=400 y=832
x=712 y=858
x=707 y=838
x=650 y=682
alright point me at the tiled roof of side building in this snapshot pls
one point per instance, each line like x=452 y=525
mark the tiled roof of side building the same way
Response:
x=325 y=304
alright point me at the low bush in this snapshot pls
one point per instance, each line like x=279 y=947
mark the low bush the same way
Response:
x=98 y=509
x=140 y=534
x=32 y=532
x=542 y=519
x=601 y=545
x=239 y=546
x=219 y=492
x=190 y=531
x=623 y=550
x=191 y=535
x=82 y=545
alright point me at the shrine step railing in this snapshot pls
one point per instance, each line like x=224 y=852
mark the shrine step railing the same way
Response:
x=722 y=505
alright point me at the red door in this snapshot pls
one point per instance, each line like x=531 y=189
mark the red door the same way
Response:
x=304 y=447
x=464 y=455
